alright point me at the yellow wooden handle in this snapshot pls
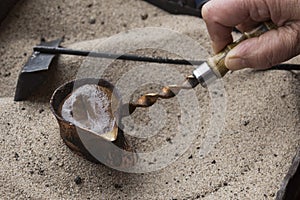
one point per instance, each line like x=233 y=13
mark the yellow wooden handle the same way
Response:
x=217 y=62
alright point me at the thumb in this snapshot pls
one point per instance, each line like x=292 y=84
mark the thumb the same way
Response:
x=271 y=48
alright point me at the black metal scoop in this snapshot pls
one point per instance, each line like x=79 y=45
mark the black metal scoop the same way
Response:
x=34 y=72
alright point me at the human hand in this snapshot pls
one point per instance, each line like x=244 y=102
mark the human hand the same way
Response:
x=271 y=48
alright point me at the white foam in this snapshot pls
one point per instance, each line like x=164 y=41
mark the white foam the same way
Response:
x=88 y=107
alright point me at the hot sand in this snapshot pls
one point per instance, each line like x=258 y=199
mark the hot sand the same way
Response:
x=256 y=146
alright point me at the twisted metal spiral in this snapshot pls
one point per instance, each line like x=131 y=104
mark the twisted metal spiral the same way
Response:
x=166 y=92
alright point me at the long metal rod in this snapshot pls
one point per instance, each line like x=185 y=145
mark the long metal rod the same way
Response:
x=131 y=57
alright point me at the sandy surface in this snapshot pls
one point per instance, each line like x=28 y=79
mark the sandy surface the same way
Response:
x=248 y=161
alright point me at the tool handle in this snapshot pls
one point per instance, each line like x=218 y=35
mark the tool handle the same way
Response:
x=217 y=62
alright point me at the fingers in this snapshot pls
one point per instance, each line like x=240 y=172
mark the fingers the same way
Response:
x=267 y=50
x=270 y=48
x=220 y=17
x=248 y=25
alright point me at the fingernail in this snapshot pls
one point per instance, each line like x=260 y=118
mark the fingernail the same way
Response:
x=234 y=62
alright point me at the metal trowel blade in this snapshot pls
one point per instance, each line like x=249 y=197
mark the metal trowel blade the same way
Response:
x=34 y=72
